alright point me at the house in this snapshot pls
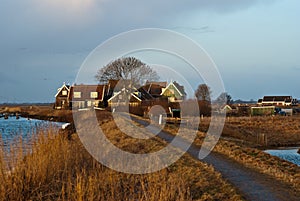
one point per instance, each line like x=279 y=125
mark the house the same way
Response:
x=117 y=93
x=87 y=96
x=129 y=96
x=277 y=101
x=115 y=86
x=62 y=100
x=118 y=90
x=123 y=98
x=155 y=89
x=174 y=92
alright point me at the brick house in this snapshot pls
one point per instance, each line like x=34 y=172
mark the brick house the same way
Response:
x=87 y=96
x=62 y=99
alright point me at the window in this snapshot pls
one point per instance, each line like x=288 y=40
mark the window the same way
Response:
x=77 y=94
x=89 y=103
x=94 y=94
x=64 y=92
x=134 y=104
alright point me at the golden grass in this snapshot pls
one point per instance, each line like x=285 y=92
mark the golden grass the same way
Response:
x=279 y=130
x=253 y=158
x=61 y=169
x=40 y=112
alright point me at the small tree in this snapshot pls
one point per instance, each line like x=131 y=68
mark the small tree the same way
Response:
x=203 y=93
x=127 y=68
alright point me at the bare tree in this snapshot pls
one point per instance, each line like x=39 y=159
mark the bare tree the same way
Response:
x=203 y=92
x=127 y=68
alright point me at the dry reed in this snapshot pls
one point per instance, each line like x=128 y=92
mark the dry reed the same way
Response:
x=59 y=168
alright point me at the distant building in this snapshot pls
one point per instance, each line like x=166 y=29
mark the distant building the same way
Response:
x=277 y=101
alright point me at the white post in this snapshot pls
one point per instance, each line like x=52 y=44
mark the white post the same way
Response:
x=160 y=119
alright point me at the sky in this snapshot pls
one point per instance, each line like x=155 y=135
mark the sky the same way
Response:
x=255 y=44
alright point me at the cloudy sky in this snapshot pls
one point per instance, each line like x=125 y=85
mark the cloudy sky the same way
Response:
x=254 y=43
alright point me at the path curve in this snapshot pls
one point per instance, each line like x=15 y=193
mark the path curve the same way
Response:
x=251 y=184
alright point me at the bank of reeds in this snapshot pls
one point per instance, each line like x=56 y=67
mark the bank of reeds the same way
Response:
x=59 y=168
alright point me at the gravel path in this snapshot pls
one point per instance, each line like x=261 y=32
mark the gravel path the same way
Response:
x=251 y=184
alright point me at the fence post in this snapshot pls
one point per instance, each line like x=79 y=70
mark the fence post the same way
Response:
x=262 y=139
x=160 y=119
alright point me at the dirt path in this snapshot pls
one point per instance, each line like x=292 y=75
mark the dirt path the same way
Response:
x=250 y=183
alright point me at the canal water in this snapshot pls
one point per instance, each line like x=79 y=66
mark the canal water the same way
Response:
x=12 y=129
x=290 y=155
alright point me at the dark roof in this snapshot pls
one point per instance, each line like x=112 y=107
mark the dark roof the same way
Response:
x=112 y=83
x=162 y=84
x=154 y=89
x=118 y=85
x=277 y=98
x=86 y=92
x=144 y=95
x=121 y=97
x=180 y=88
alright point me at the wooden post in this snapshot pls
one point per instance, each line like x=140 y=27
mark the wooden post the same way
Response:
x=262 y=139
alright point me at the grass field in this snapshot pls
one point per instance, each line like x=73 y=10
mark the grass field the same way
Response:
x=278 y=130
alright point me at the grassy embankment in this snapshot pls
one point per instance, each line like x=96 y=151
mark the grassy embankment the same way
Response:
x=61 y=169
x=39 y=112
x=278 y=130
x=241 y=144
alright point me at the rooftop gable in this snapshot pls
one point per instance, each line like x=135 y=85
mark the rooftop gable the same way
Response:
x=63 y=87
x=177 y=87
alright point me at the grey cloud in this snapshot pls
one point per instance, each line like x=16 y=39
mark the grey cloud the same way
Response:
x=205 y=29
x=37 y=38
x=44 y=28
